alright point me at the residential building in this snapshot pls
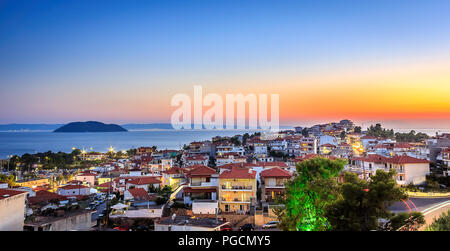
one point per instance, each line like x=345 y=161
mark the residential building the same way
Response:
x=273 y=183
x=237 y=190
x=74 y=190
x=203 y=182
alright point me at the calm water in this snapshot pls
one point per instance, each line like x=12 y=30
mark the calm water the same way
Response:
x=33 y=142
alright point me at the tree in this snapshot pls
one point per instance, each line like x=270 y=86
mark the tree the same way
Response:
x=308 y=194
x=305 y=132
x=380 y=132
x=362 y=203
x=441 y=224
x=10 y=179
x=343 y=135
x=163 y=194
x=406 y=222
x=358 y=129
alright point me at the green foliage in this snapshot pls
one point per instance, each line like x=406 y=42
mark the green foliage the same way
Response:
x=305 y=132
x=308 y=194
x=380 y=132
x=406 y=222
x=132 y=152
x=362 y=203
x=357 y=129
x=410 y=137
x=163 y=194
x=441 y=224
x=343 y=135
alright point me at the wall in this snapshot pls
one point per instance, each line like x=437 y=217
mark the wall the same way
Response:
x=12 y=211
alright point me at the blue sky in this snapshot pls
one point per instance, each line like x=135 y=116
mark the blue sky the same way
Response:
x=53 y=53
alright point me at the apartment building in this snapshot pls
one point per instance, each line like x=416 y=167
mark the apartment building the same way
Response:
x=273 y=183
x=237 y=190
x=409 y=170
x=202 y=185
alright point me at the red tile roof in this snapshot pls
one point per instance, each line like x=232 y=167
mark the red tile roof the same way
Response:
x=45 y=196
x=406 y=160
x=144 y=181
x=238 y=173
x=6 y=193
x=275 y=172
x=173 y=170
x=202 y=171
x=139 y=193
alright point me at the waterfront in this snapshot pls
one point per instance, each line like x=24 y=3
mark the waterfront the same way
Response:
x=18 y=143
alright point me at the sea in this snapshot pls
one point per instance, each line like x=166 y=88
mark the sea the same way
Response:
x=21 y=142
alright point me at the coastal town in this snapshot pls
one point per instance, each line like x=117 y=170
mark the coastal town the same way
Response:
x=222 y=184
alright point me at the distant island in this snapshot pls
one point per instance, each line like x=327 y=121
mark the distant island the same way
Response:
x=90 y=126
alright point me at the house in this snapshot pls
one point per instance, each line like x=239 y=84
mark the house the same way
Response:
x=203 y=182
x=33 y=183
x=74 y=190
x=237 y=190
x=143 y=182
x=173 y=177
x=86 y=178
x=279 y=145
x=136 y=194
x=272 y=183
x=299 y=145
x=223 y=149
x=229 y=158
x=12 y=209
x=409 y=170
x=45 y=197
x=189 y=223
x=197 y=160
x=327 y=148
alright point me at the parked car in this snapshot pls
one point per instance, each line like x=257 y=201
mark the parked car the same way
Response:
x=270 y=224
x=226 y=228
x=247 y=227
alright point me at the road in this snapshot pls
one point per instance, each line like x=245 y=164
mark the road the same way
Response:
x=430 y=207
x=420 y=203
x=100 y=208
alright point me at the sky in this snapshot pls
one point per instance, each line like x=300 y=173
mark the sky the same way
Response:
x=122 y=61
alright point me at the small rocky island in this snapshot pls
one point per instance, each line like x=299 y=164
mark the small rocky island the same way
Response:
x=90 y=126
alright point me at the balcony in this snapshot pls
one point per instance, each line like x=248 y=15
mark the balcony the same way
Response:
x=237 y=188
x=224 y=200
x=202 y=184
x=274 y=185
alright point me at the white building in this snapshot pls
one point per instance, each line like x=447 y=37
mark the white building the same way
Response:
x=74 y=190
